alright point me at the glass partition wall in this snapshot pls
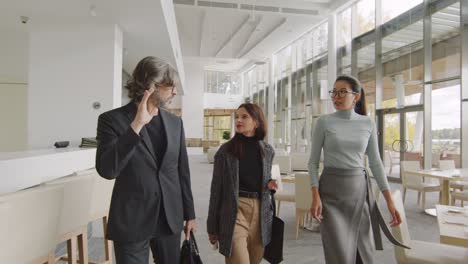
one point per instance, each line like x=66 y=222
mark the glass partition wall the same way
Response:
x=406 y=54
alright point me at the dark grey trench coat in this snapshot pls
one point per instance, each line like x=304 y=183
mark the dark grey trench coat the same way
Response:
x=224 y=198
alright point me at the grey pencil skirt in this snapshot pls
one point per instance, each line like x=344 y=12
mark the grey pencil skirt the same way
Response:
x=352 y=220
x=346 y=224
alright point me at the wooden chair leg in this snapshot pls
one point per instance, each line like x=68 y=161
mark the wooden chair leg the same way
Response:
x=452 y=203
x=83 y=248
x=279 y=205
x=404 y=194
x=51 y=258
x=71 y=251
x=298 y=219
x=423 y=200
x=107 y=243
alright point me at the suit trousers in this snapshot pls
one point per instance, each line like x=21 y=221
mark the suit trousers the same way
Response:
x=247 y=245
x=164 y=245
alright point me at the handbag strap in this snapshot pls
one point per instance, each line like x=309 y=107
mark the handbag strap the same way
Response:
x=273 y=201
x=194 y=243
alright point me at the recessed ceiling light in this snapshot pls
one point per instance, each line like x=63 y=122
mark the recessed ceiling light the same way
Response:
x=92 y=10
x=24 y=19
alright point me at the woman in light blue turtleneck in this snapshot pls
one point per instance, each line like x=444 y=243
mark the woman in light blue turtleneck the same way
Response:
x=339 y=198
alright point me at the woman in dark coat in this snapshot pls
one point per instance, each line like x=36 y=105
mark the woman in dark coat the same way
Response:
x=240 y=211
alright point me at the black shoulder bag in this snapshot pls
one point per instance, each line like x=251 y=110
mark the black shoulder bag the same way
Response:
x=274 y=250
x=189 y=252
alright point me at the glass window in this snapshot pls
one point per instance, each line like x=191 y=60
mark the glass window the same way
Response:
x=366 y=74
x=366 y=16
x=344 y=42
x=344 y=27
x=393 y=8
x=216 y=127
x=446 y=121
x=402 y=56
x=309 y=46
x=446 y=42
x=301 y=53
x=222 y=82
x=320 y=41
x=322 y=90
x=284 y=61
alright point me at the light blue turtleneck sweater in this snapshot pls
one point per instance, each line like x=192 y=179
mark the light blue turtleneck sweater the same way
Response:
x=346 y=137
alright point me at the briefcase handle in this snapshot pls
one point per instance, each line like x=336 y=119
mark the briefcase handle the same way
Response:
x=273 y=201
x=194 y=243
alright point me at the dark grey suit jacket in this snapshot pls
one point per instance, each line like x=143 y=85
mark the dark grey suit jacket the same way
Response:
x=224 y=199
x=139 y=184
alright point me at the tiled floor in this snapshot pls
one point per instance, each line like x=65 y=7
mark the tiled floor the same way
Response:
x=308 y=248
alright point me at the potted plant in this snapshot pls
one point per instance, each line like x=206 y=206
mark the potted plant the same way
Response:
x=226 y=135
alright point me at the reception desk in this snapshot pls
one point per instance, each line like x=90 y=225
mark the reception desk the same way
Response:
x=24 y=169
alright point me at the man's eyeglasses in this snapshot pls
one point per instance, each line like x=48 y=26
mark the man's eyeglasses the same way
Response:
x=172 y=88
x=340 y=93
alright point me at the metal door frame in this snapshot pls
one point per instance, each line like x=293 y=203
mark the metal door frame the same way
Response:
x=380 y=115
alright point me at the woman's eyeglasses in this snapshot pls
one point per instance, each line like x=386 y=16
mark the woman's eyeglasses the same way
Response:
x=340 y=93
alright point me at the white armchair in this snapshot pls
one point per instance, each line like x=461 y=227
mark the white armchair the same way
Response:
x=303 y=198
x=29 y=221
x=75 y=214
x=281 y=195
x=284 y=163
x=450 y=165
x=299 y=161
x=421 y=251
x=416 y=182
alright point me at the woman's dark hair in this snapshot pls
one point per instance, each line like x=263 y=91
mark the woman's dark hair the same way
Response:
x=235 y=146
x=147 y=71
x=360 y=107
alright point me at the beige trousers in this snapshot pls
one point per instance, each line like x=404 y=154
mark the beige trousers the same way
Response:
x=247 y=245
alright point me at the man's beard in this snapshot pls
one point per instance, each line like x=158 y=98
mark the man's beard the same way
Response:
x=164 y=103
x=160 y=102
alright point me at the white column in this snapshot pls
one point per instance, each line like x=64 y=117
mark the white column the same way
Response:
x=271 y=101
x=13 y=89
x=70 y=68
x=327 y=106
x=399 y=90
x=464 y=82
x=419 y=129
x=192 y=101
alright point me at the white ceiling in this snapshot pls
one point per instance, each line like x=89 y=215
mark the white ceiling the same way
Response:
x=145 y=31
x=232 y=37
x=227 y=39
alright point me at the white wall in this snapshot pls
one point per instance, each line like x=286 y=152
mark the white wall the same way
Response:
x=13 y=105
x=71 y=66
x=13 y=90
x=192 y=101
x=222 y=101
x=14 y=56
x=117 y=38
x=176 y=102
